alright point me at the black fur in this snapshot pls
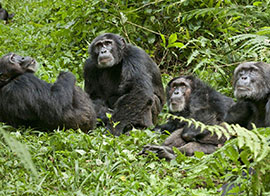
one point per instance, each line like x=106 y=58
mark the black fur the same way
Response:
x=26 y=100
x=131 y=89
x=205 y=105
x=251 y=88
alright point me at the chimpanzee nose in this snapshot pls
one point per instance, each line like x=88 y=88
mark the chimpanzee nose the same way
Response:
x=176 y=92
x=103 y=51
x=243 y=77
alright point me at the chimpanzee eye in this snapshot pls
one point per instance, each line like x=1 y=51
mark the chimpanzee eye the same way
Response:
x=107 y=43
x=174 y=87
x=250 y=70
x=241 y=73
x=183 y=86
x=98 y=47
x=253 y=70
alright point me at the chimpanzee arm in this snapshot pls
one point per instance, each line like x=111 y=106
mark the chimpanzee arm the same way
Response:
x=102 y=109
x=240 y=113
x=95 y=91
x=170 y=126
x=206 y=116
x=191 y=134
x=59 y=99
x=133 y=109
x=51 y=101
x=88 y=77
x=267 y=114
x=62 y=90
x=134 y=106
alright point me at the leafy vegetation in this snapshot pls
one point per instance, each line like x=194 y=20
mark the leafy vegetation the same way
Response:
x=203 y=37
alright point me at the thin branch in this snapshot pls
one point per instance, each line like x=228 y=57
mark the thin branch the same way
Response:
x=145 y=5
x=136 y=25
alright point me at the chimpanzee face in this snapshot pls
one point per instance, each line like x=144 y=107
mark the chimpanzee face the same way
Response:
x=178 y=94
x=107 y=49
x=104 y=48
x=12 y=65
x=250 y=81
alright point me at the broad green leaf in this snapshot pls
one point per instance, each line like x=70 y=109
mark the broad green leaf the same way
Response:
x=176 y=44
x=172 y=38
x=257 y=3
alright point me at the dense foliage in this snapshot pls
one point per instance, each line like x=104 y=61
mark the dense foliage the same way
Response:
x=204 y=37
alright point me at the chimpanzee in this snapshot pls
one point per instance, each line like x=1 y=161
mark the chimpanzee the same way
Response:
x=123 y=80
x=25 y=100
x=189 y=97
x=4 y=14
x=251 y=88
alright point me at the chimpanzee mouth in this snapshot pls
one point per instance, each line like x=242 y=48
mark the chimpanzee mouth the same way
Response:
x=105 y=60
x=176 y=101
x=243 y=88
x=29 y=64
x=176 y=107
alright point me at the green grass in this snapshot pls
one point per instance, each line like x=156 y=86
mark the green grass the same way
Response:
x=70 y=162
x=74 y=163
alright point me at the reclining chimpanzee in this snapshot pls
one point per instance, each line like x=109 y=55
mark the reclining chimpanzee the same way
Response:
x=25 y=100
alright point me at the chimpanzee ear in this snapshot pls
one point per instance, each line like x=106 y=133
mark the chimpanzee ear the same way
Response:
x=122 y=42
x=10 y=57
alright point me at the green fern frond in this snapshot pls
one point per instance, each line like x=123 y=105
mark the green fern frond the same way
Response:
x=255 y=43
x=251 y=139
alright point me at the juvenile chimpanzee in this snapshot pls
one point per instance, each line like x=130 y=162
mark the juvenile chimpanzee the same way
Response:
x=189 y=97
x=251 y=88
x=123 y=80
x=4 y=14
x=26 y=100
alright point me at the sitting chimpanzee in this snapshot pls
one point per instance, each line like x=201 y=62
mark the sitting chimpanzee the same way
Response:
x=26 y=100
x=4 y=14
x=123 y=80
x=251 y=88
x=189 y=97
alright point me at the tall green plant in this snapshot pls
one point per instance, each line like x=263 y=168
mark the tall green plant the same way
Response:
x=20 y=150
